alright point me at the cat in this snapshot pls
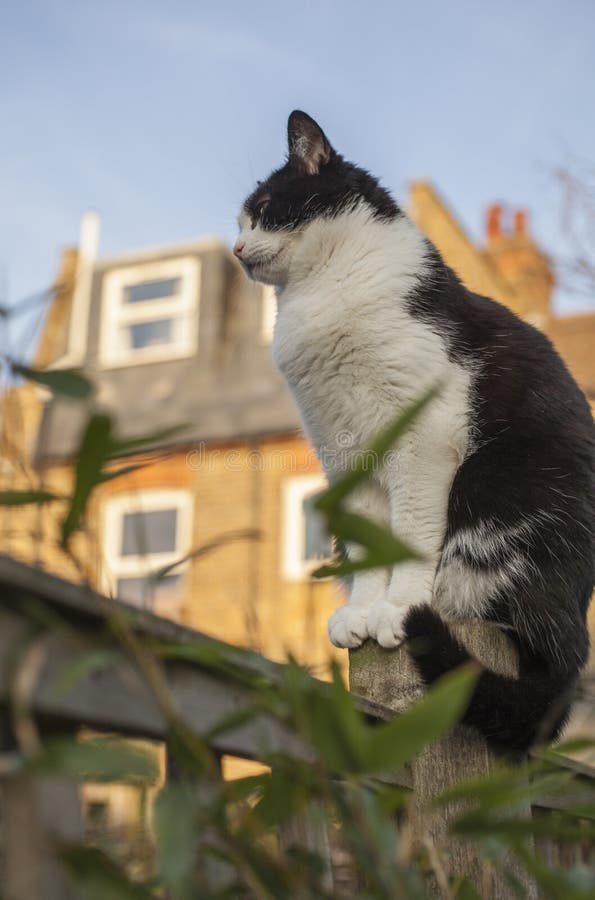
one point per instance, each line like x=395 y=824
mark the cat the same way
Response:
x=494 y=483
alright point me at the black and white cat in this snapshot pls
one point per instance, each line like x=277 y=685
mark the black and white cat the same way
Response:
x=495 y=482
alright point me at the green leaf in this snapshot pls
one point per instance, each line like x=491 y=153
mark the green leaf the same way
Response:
x=509 y=787
x=145 y=442
x=384 y=549
x=235 y=663
x=389 y=797
x=117 y=473
x=282 y=794
x=462 y=889
x=22 y=498
x=251 y=786
x=220 y=540
x=390 y=745
x=366 y=462
x=236 y=720
x=97 y=877
x=97 y=759
x=554 y=827
x=560 y=885
x=352 y=721
x=177 y=833
x=96 y=444
x=68 y=382
x=490 y=787
x=86 y=664
x=319 y=712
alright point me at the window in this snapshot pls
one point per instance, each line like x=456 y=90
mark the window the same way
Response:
x=306 y=542
x=149 y=312
x=143 y=533
x=97 y=814
x=269 y=313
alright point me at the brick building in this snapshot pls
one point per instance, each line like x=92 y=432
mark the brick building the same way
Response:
x=176 y=335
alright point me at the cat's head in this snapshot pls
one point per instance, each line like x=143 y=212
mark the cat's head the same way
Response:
x=315 y=184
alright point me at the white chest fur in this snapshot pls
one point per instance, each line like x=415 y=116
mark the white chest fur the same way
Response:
x=354 y=357
x=349 y=349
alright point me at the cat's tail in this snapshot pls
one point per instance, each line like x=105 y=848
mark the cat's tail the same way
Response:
x=511 y=713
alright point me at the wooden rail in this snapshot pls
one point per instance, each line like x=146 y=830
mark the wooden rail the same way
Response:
x=117 y=698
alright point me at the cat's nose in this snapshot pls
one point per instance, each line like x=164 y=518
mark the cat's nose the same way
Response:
x=238 y=248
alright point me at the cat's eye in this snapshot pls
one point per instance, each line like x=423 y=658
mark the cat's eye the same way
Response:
x=261 y=206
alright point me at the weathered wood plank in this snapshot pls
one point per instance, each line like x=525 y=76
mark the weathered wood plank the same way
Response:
x=118 y=698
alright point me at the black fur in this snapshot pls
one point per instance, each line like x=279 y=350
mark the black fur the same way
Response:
x=535 y=452
x=291 y=196
x=534 y=456
x=512 y=713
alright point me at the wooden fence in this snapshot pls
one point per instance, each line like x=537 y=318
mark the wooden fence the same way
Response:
x=35 y=810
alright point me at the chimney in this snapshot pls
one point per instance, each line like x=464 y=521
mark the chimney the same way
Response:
x=520 y=222
x=519 y=261
x=494 y=222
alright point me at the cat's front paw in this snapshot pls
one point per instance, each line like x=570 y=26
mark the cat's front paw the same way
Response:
x=385 y=624
x=347 y=627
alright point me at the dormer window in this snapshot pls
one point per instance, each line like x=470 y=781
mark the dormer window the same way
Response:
x=150 y=312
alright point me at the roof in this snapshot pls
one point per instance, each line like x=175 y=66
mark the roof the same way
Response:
x=227 y=389
x=574 y=338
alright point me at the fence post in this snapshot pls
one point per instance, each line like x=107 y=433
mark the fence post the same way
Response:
x=389 y=677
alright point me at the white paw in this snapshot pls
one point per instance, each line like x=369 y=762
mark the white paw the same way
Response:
x=385 y=624
x=347 y=626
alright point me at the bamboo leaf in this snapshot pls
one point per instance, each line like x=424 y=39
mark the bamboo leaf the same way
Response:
x=384 y=549
x=145 y=442
x=390 y=745
x=97 y=759
x=244 y=534
x=67 y=382
x=97 y=877
x=505 y=787
x=22 y=498
x=176 y=828
x=94 y=450
x=372 y=458
x=577 y=884
x=464 y=890
x=86 y=664
x=117 y=473
x=513 y=829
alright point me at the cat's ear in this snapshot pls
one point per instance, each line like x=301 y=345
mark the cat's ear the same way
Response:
x=308 y=146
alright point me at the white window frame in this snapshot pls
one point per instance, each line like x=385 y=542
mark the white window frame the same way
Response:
x=295 y=490
x=115 y=312
x=140 y=565
x=269 y=314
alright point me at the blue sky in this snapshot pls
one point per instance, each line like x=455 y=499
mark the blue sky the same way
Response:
x=162 y=115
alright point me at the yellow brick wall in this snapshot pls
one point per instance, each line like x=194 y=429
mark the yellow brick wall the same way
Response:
x=236 y=591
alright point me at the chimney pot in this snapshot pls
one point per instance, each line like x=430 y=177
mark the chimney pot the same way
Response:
x=494 y=222
x=520 y=222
